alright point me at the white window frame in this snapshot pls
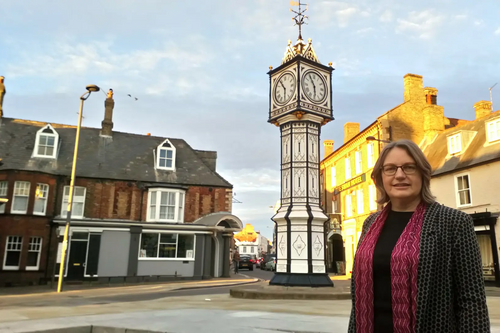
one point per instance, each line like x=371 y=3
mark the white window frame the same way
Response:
x=41 y=193
x=454 y=144
x=457 y=191
x=35 y=245
x=372 y=189
x=54 y=135
x=76 y=199
x=165 y=146
x=360 y=201
x=347 y=168
x=4 y=187
x=370 y=154
x=176 y=246
x=348 y=205
x=180 y=196
x=13 y=244
x=26 y=190
x=333 y=172
x=493 y=130
x=359 y=162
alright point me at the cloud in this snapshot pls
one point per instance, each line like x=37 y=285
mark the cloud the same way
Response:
x=460 y=17
x=364 y=31
x=497 y=32
x=478 y=22
x=340 y=12
x=422 y=24
x=386 y=16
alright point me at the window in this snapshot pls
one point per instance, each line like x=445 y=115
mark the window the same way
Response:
x=155 y=245
x=78 y=202
x=370 y=154
x=41 y=194
x=12 y=256
x=166 y=156
x=252 y=249
x=46 y=143
x=3 y=194
x=347 y=168
x=21 y=196
x=494 y=130
x=348 y=205
x=360 y=201
x=244 y=249
x=454 y=144
x=463 y=190
x=373 y=197
x=359 y=162
x=166 y=205
x=34 y=251
x=334 y=176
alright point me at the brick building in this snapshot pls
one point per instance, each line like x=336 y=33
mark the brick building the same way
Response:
x=348 y=194
x=143 y=205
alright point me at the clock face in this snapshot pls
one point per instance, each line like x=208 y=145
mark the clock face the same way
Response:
x=314 y=86
x=284 y=88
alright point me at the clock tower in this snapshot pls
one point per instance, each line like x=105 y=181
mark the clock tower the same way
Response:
x=300 y=103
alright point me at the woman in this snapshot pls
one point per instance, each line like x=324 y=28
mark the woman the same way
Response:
x=418 y=266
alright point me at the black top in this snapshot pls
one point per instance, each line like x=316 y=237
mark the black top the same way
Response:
x=382 y=299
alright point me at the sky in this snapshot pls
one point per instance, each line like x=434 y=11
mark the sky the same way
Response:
x=199 y=69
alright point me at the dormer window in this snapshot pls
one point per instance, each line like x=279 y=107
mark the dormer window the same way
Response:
x=166 y=156
x=46 y=143
x=454 y=144
x=493 y=128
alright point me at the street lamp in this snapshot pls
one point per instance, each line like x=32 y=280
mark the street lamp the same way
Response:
x=90 y=88
x=372 y=138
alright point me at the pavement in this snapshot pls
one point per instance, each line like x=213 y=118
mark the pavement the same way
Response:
x=210 y=313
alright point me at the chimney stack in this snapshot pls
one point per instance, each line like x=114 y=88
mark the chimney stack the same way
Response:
x=414 y=88
x=107 y=123
x=350 y=131
x=483 y=109
x=328 y=146
x=431 y=95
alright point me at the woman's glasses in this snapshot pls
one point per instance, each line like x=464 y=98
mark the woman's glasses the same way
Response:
x=390 y=169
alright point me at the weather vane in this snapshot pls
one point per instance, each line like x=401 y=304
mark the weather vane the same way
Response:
x=300 y=17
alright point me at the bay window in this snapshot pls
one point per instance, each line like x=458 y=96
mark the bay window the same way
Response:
x=165 y=205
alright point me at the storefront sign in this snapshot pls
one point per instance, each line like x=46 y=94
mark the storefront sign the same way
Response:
x=353 y=182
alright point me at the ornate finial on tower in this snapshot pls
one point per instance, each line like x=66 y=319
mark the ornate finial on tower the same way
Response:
x=300 y=17
x=300 y=48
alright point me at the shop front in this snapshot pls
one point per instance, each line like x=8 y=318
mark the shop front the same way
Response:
x=484 y=225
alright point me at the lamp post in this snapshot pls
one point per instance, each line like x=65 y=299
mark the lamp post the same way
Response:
x=90 y=88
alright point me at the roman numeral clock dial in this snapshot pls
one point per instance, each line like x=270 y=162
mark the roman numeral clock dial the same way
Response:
x=314 y=86
x=284 y=88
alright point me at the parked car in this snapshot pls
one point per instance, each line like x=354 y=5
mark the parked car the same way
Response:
x=265 y=259
x=271 y=265
x=246 y=261
x=258 y=262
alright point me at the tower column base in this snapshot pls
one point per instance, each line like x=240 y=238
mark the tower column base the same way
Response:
x=301 y=280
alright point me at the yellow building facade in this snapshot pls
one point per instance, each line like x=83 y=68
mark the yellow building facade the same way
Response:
x=348 y=194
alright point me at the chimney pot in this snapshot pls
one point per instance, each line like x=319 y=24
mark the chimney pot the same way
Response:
x=148 y=134
x=107 y=123
x=328 y=146
x=483 y=109
x=431 y=95
x=413 y=88
x=350 y=131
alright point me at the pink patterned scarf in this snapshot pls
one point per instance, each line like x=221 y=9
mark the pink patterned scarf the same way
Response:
x=404 y=263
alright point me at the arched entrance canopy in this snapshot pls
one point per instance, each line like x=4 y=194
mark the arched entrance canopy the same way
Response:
x=221 y=219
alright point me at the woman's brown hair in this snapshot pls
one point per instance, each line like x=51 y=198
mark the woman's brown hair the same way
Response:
x=420 y=160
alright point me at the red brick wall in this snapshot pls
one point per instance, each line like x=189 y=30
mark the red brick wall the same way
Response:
x=105 y=199
x=26 y=225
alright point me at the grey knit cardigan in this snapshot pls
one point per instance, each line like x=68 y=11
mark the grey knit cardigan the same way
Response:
x=450 y=284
